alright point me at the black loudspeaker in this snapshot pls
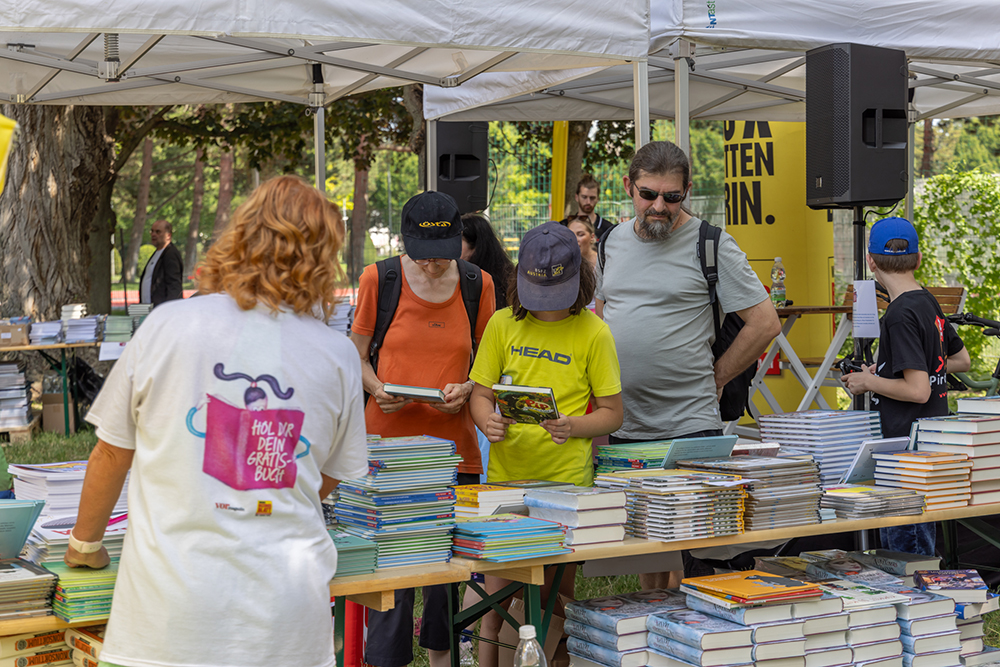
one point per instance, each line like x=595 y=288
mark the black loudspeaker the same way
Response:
x=856 y=99
x=462 y=161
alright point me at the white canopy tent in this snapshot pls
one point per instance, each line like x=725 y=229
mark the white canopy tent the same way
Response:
x=135 y=52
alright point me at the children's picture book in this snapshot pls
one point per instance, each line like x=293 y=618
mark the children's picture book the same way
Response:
x=862 y=468
x=16 y=519
x=526 y=405
x=752 y=584
x=710 y=447
x=422 y=394
x=699 y=630
x=959 y=585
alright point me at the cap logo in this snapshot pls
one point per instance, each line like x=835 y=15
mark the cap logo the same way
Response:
x=440 y=223
x=557 y=270
x=537 y=273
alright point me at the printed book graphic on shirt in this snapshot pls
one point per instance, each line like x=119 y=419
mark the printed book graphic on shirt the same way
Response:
x=251 y=447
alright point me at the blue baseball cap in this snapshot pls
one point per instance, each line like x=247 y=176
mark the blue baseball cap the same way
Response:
x=548 y=268
x=889 y=229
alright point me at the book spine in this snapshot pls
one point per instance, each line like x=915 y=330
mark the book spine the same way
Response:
x=706 y=607
x=81 y=659
x=676 y=649
x=601 y=654
x=32 y=641
x=592 y=618
x=591 y=634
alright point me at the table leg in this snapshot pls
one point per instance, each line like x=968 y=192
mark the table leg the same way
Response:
x=62 y=354
x=454 y=637
x=533 y=610
x=339 y=614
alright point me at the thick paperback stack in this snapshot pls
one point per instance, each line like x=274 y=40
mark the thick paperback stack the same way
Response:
x=59 y=485
x=832 y=437
x=82 y=329
x=35 y=648
x=405 y=504
x=506 y=537
x=611 y=631
x=45 y=333
x=83 y=594
x=975 y=435
x=854 y=501
x=15 y=406
x=942 y=477
x=631 y=456
x=86 y=644
x=780 y=491
x=118 y=328
x=485 y=499
x=355 y=555
x=138 y=313
x=590 y=515
x=49 y=538
x=25 y=588
x=979 y=405
x=679 y=504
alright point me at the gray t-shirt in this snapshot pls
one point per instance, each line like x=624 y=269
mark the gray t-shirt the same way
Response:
x=656 y=303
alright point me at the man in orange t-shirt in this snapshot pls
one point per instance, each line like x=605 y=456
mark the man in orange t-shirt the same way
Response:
x=428 y=344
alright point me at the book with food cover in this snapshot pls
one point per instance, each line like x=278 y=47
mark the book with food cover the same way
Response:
x=526 y=405
x=424 y=394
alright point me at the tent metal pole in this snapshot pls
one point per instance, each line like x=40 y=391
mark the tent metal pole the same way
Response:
x=319 y=138
x=911 y=170
x=640 y=93
x=431 y=148
x=682 y=96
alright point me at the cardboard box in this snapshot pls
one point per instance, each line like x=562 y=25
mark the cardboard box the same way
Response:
x=52 y=414
x=508 y=635
x=13 y=335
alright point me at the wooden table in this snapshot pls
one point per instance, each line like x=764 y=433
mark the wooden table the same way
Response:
x=62 y=347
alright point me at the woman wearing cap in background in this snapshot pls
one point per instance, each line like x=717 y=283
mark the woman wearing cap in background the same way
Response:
x=428 y=344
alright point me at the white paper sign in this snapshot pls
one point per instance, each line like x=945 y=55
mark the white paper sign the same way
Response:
x=111 y=351
x=865 y=316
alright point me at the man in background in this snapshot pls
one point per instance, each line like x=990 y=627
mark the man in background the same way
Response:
x=161 y=278
x=586 y=199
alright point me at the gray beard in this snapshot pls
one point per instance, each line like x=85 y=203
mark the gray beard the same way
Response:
x=655 y=231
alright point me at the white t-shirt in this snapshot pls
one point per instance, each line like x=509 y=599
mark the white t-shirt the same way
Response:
x=227 y=559
x=146 y=286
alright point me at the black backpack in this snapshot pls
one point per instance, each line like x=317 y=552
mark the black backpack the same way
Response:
x=390 y=286
x=736 y=394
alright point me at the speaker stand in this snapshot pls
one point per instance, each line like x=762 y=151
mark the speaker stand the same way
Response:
x=859 y=402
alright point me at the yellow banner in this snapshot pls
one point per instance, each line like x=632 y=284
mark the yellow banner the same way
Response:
x=7 y=127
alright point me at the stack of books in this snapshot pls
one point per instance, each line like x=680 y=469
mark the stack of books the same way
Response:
x=979 y=405
x=590 y=515
x=484 y=499
x=942 y=477
x=36 y=648
x=404 y=504
x=49 y=538
x=854 y=501
x=25 y=588
x=969 y=623
x=678 y=504
x=506 y=537
x=86 y=644
x=59 y=485
x=83 y=594
x=611 y=631
x=355 y=555
x=781 y=491
x=845 y=567
x=975 y=435
x=15 y=406
x=138 y=313
x=82 y=330
x=118 y=329
x=832 y=437
x=72 y=311
x=631 y=456
x=46 y=333
x=897 y=563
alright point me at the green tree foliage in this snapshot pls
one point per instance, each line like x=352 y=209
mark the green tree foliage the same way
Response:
x=958 y=220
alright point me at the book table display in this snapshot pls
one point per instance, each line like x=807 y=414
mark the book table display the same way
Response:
x=62 y=347
x=376 y=590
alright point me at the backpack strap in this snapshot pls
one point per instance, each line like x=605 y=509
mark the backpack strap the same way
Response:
x=470 y=278
x=601 y=255
x=390 y=286
x=708 y=254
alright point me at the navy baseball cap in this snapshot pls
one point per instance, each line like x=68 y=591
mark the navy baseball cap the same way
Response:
x=548 y=268
x=889 y=229
x=432 y=227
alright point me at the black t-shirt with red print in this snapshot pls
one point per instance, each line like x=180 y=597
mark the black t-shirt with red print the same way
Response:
x=914 y=334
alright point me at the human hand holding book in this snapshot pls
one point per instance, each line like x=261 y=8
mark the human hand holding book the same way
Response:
x=456 y=394
x=559 y=428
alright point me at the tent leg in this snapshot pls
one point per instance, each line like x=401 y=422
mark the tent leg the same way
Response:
x=911 y=168
x=640 y=101
x=319 y=138
x=431 y=147
x=682 y=96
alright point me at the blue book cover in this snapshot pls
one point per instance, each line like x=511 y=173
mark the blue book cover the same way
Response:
x=950 y=640
x=623 y=614
x=396 y=498
x=17 y=518
x=699 y=630
x=589 y=633
x=739 y=615
x=597 y=653
x=696 y=656
x=501 y=525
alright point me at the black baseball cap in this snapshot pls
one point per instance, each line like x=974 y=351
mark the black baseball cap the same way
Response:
x=432 y=227
x=548 y=268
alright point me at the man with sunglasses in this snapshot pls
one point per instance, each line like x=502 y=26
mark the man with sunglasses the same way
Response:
x=586 y=200
x=653 y=294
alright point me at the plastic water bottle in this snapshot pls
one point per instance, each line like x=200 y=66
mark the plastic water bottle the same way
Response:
x=778 y=283
x=529 y=652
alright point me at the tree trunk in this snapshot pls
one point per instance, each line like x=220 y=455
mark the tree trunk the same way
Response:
x=927 y=163
x=197 y=198
x=413 y=100
x=57 y=168
x=576 y=146
x=359 y=226
x=131 y=265
x=102 y=230
x=222 y=212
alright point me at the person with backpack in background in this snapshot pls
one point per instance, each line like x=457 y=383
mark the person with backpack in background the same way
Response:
x=653 y=292
x=418 y=320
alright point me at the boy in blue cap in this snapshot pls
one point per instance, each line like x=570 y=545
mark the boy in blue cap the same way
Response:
x=917 y=349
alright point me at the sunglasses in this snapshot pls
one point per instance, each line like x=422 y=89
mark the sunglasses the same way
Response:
x=669 y=197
